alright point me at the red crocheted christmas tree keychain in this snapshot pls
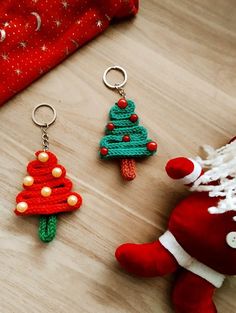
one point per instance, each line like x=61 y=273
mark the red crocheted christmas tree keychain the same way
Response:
x=47 y=191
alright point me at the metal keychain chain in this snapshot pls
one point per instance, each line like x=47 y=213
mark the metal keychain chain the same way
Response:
x=44 y=126
x=121 y=91
x=45 y=137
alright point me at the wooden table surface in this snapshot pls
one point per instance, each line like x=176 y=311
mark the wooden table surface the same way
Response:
x=180 y=57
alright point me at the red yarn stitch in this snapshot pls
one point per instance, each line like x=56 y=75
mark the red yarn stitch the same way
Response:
x=61 y=189
x=128 y=168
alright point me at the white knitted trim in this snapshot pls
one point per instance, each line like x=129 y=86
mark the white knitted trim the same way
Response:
x=190 y=178
x=191 y=264
x=220 y=165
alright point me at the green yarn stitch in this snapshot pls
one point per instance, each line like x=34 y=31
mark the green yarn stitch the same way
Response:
x=137 y=146
x=47 y=227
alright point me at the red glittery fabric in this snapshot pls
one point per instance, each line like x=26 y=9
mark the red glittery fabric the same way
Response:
x=36 y=35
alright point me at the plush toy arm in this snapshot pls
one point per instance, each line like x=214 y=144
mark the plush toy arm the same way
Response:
x=184 y=170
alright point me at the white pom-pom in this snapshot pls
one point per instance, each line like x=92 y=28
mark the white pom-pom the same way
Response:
x=193 y=176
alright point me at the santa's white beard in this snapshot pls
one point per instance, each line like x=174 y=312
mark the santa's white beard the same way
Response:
x=220 y=165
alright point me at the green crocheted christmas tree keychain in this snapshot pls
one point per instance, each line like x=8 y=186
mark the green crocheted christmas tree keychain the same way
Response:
x=125 y=139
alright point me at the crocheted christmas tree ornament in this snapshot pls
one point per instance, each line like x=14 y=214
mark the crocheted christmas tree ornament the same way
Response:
x=201 y=234
x=125 y=139
x=47 y=192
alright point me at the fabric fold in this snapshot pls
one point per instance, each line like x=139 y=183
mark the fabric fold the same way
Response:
x=37 y=35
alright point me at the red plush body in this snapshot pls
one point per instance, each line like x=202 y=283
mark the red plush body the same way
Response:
x=200 y=234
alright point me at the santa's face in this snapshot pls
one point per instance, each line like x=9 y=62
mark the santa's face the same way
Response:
x=210 y=238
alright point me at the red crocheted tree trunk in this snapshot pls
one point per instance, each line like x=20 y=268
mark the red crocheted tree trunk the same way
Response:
x=128 y=168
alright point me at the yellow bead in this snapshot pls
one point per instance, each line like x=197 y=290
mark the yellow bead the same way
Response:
x=46 y=191
x=22 y=207
x=72 y=200
x=57 y=172
x=28 y=181
x=43 y=157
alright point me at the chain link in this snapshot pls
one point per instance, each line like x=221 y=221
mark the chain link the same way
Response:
x=121 y=91
x=45 y=137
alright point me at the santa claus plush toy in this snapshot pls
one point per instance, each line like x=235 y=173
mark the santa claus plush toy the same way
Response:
x=201 y=235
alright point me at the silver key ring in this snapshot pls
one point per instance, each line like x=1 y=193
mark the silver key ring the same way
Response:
x=115 y=68
x=41 y=124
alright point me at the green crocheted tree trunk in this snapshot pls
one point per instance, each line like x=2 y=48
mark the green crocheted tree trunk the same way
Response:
x=47 y=227
x=125 y=139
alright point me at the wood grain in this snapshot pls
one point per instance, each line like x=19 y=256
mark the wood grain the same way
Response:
x=180 y=56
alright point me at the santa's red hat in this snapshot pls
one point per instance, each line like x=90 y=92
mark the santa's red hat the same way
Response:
x=184 y=170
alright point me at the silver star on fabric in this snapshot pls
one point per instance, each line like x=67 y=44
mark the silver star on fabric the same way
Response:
x=5 y=57
x=23 y=44
x=44 y=48
x=18 y=71
x=58 y=23
x=99 y=23
x=65 y=4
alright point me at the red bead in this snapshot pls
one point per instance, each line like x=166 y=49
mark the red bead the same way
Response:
x=122 y=103
x=133 y=118
x=152 y=146
x=104 y=151
x=110 y=126
x=126 y=138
